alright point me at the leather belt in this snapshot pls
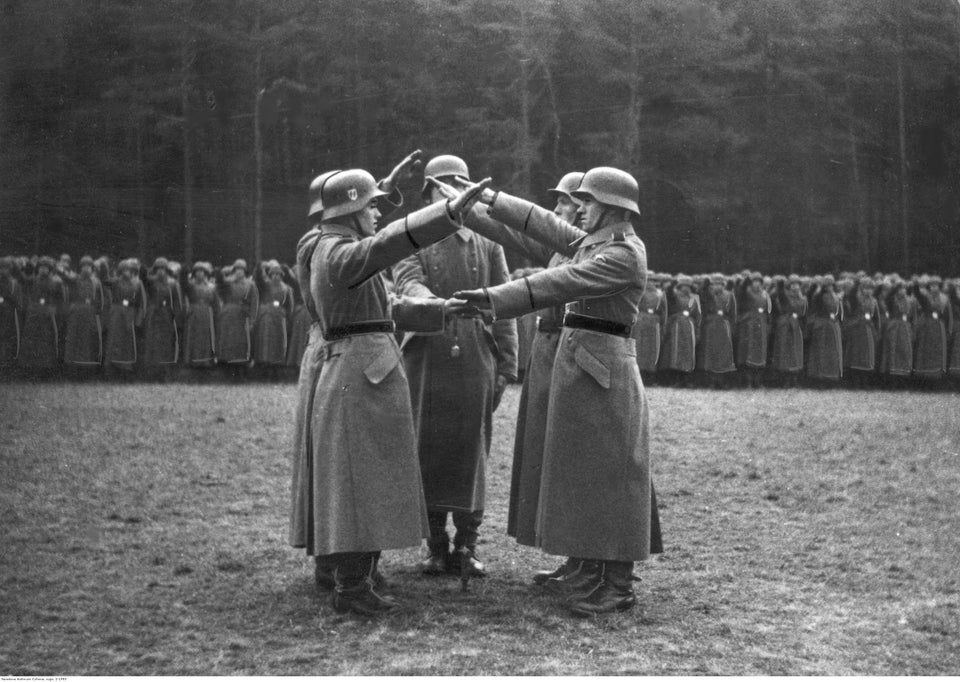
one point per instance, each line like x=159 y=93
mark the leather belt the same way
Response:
x=370 y=327
x=596 y=324
x=548 y=325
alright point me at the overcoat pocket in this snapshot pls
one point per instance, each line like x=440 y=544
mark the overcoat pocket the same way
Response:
x=592 y=365
x=380 y=368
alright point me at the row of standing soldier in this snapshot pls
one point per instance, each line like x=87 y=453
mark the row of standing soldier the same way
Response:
x=131 y=318
x=712 y=329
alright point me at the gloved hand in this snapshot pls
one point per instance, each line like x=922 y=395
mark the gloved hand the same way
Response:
x=402 y=171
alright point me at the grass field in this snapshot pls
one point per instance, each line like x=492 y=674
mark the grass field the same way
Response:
x=806 y=533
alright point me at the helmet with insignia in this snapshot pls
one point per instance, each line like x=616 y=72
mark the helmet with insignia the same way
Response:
x=610 y=186
x=316 y=193
x=443 y=168
x=347 y=192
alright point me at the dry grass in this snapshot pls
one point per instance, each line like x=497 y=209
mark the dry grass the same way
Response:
x=807 y=533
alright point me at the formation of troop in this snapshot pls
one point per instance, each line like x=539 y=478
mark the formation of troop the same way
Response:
x=413 y=341
x=125 y=320
x=751 y=329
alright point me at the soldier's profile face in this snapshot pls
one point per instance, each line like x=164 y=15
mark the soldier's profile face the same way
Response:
x=367 y=218
x=590 y=212
x=566 y=209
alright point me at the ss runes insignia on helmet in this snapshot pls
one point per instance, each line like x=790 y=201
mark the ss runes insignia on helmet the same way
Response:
x=352 y=193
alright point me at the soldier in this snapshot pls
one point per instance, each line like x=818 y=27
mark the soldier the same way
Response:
x=753 y=327
x=715 y=350
x=365 y=492
x=534 y=396
x=239 y=301
x=84 y=332
x=678 y=354
x=595 y=487
x=161 y=339
x=200 y=314
x=44 y=294
x=790 y=311
x=953 y=362
x=896 y=334
x=456 y=380
x=303 y=496
x=825 y=351
x=127 y=305
x=931 y=330
x=271 y=331
x=861 y=332
x=650 y=327
x=11 y=302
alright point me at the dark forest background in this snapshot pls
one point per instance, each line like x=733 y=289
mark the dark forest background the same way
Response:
x=801 y=135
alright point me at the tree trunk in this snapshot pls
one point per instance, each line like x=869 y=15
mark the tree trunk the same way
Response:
x=902 y=129
x=185 y=66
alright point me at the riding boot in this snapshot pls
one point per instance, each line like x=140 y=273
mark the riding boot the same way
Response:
x=568 y=566
x=585 y=572
x=323 y=572
x=464 y=557
x=438 y=545
x=612 y=592
x=355 y=591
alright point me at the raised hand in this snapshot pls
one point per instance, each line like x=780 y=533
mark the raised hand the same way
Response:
x=470 y=194
x=402 y=171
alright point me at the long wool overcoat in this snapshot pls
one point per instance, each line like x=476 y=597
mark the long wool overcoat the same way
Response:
x=753 y=327
x=239 y=301
x=452 y=375
x=896 y=334
x=127 y=302
x=535 y=391
x=161 y=337
x=650 y=327
x=199 y=327
x=825 y=350
x=682 y=331
x=11 y=300
x=42 y=324
x=272 y=329
x=365 y=490
x=931 y=334
x=84 y=331
x=595 y=486
x=790 y=311
x=861 y=333
x=715 y=349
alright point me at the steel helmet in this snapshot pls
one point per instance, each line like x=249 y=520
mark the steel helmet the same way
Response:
x=316 y=190
x=610 y=186
x=568 y=183
x=445 y=166
x=346 y=192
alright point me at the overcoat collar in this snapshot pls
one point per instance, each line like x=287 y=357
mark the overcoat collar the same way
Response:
x=339 y=230
x=604 y=234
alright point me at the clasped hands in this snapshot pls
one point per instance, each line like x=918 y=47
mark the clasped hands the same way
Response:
x=469 y=303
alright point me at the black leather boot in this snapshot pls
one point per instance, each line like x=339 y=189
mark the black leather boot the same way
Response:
x=436 y=562
x=465 y=559
x=323 y=573
x=585 y=572
x=612 y=592
x=355 y=591
x=542 y=577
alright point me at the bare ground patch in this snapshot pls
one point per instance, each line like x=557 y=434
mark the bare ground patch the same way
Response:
x=806 y=533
